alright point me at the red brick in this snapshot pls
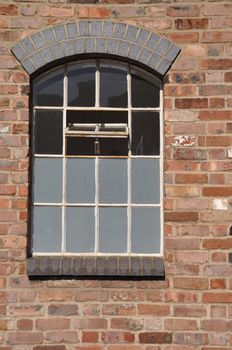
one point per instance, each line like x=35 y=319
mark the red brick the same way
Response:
x=90 y=323
x=191 y=23
x=25 y=338
x=181 y=216
x=178 y=324
x=25 y=324
x=190 y=283
x=191 y=178
x=218 y=311
x=8 y=10
x=180 y=10
x=218 y=141
x=218 y=283
x=155 y=338
x=61 y=12
x=216 y=63
x=213 y=297
x=117 y=337
x=217 y=243
x=215 y=115
x=52 y=323
x=126 y=323
x=127 y=295
x=93 y=12
x=91 y=295
x=184 y=37
x=217 y=191
x=50 y=347
x=216 y=37
x=216 y=9
x=228 y=77
x=153 y=310
x=188 y=103
x=182 y=243
x=189 y=311
x=66 y=336
x=89 y=337
x=118 y=309
x=56 y=295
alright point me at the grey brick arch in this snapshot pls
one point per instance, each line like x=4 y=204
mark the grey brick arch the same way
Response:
x=96 y=36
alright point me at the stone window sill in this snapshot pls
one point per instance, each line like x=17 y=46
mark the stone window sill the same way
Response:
x=87 y=267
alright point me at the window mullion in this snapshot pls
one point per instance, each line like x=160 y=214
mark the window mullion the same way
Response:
x=129 y=164
x=65 y=92
x=96 y=205
x=161 y=172
x=97 y=85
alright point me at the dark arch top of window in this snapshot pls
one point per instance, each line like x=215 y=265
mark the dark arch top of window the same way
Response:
x=97 y=37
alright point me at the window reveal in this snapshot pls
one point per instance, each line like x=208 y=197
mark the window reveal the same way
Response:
x=96 y=160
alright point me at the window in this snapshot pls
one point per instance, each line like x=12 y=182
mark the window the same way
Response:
x=96 y=164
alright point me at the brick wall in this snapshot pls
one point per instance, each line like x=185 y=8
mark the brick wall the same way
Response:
x=192 y=308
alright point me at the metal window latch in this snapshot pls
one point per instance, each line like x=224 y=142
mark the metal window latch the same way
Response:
x=96 y=147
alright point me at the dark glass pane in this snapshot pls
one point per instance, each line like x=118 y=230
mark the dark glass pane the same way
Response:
x=96 y=117
x=144 y=91
x=81 y=85
x=113 y=147
x=48 y=132
x=86 y=146
x=145 y=133
x=48 y=89
x=113 y=86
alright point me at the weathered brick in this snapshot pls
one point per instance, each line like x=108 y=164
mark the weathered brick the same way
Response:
x=155 y=338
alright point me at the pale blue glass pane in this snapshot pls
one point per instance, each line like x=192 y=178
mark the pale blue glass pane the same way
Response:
x=80 y=230
x=113 y=180
x=47 y=229
x=145 y=230
x=145 y=181
x=112 y=230
x=80 y=180
x=47 y=180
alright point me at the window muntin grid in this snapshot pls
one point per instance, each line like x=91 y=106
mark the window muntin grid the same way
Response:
x=134 y=206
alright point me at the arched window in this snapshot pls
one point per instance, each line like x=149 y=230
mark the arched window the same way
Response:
x=97 y=161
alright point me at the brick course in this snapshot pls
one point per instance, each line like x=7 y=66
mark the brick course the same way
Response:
x=190 y=307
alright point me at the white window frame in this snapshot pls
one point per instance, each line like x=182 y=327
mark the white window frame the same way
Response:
x=129 y=109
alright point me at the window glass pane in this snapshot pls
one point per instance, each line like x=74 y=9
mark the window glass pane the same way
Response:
x=47 y=229
x=144 y=90
x=81 y=85
x=113 y=180
x=145 y=180
x=80 y=223
x=48 y=89
x=113 y=230
x=145 y=133
x=88 y=146
x=113 y=85
x=96 y=117
x=80 y=180
x=145 y=236
x=48 y=133
x=47 y=180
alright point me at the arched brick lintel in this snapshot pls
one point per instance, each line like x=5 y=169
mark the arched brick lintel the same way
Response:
x=95 y=37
